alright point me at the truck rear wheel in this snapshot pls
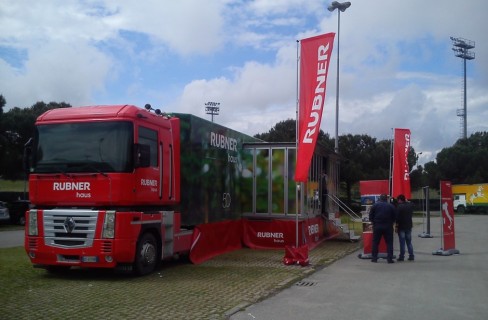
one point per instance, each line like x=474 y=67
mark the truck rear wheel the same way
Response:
x=146 y=254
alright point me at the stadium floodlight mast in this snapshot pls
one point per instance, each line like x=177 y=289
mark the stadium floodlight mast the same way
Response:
x=461 y=48
x=341 y=7
x=212 y=108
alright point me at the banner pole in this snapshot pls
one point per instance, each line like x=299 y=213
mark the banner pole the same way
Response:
x=390 y=178
x=426 y=216
x=427 y=208
x=299 y=206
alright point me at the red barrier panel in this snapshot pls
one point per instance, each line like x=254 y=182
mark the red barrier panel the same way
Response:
x=315 y=231
x=271 y=234
x=368 y=246
x=378 y=187
x=210 y=240
x=276 y=234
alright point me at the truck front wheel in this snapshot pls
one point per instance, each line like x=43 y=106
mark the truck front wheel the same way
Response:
x=460 y=209
x=146 y=254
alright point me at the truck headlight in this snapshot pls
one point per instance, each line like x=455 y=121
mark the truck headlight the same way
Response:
x=33 y=231
x=109 y=225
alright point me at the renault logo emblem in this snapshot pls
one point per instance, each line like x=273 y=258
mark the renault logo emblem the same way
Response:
x=69 y=224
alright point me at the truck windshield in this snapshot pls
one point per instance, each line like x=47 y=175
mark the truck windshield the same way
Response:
x=83 y=147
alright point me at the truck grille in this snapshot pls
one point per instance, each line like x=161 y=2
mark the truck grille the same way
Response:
x=69 y=228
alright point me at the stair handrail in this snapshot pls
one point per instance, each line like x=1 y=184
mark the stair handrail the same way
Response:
x=353 y=215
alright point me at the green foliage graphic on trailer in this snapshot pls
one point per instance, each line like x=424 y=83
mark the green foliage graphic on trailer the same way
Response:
x=211 y=170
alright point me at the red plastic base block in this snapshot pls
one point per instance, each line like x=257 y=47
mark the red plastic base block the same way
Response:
x=295 y=255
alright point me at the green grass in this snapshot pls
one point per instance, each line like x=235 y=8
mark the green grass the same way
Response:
x=15 y=265
x=356 y=226
x=13 y=185
x=177 y=290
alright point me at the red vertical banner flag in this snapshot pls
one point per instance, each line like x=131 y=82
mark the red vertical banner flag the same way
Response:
x=447 y=212
x=401 y=170
x=315 y=56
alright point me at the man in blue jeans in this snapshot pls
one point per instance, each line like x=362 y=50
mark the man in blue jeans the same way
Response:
x=404 y=227
x=382 y=215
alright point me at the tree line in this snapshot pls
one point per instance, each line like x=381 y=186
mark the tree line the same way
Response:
x=364 y=157
x=16 y=128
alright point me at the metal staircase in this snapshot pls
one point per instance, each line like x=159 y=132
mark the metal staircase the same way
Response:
x=347 y=229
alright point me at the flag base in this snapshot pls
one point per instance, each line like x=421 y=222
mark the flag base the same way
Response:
x=294 y=255
x=448 y=252
x=370 y=256
x=425 y=235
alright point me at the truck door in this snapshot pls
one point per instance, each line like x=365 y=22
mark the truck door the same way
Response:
x=148 y=179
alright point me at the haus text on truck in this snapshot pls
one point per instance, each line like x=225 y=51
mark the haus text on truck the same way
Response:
x=124 y=187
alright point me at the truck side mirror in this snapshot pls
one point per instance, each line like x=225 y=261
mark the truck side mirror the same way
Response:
x=142 y=156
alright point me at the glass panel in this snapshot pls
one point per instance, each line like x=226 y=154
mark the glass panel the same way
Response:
x=262 y=180
x=278 y=181
x=246 y=194
x=292 y=185
x=313 y=193
x=150 y=138
x=83 y=147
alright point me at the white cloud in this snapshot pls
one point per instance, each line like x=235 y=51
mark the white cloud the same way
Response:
x=253 y=100
x=397 y=66
x=57 y=72
x=187 y=26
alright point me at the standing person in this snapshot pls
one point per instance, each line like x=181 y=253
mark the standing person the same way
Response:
x=404 y=227
x=382 y=215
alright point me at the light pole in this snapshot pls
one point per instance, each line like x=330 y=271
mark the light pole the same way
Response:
x=212 y=108
x=341 y=6
x=461 y=49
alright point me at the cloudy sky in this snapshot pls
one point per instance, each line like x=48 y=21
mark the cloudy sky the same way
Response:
x=397 y=67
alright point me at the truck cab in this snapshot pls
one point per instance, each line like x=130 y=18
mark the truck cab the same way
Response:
x=459 y=203
x=103 y=183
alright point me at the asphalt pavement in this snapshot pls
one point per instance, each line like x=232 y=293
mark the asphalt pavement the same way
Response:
x=13 y=238
x=431 y=287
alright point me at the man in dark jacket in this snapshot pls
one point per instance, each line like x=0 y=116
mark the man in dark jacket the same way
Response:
x=404 y=227
x=382 y=215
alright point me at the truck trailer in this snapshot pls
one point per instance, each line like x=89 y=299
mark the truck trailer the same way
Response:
x=124 y=187
x=470 y=198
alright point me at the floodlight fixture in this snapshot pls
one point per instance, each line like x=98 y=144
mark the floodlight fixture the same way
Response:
x=212 y=108
x=461 y=48
x=342 y=6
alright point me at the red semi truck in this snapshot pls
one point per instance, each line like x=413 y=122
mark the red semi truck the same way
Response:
x=124 y=187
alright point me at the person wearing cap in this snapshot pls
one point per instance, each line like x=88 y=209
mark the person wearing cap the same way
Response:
x=382 y=215
x=404 y=227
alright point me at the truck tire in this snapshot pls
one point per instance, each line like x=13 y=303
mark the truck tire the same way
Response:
x=146 y=254
x=461 y=209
